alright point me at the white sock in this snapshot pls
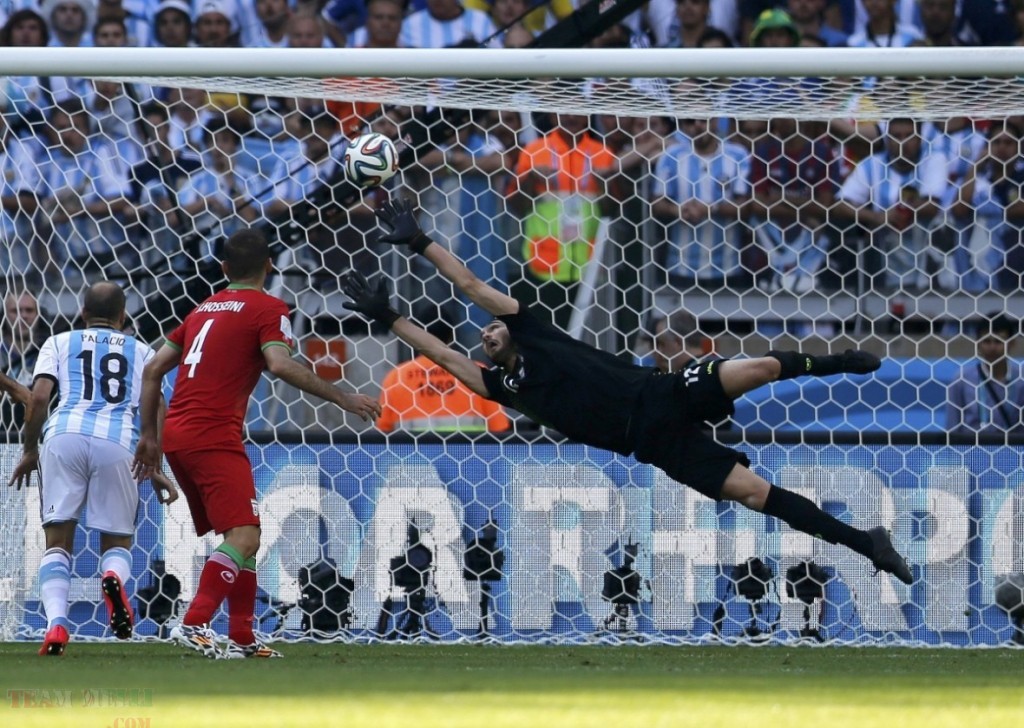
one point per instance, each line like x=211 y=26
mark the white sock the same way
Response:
x=118 y=560
x=54 y=585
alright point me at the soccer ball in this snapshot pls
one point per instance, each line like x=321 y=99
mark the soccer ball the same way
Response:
x=370 y=160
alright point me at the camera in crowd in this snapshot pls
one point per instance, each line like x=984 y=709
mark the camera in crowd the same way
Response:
x=806 y=581
x=325 y=599
x=622 y=585
x=484 y=559
x=411 y=569
x=159 y=600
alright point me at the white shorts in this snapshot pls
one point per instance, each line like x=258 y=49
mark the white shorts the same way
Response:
x=77 y=471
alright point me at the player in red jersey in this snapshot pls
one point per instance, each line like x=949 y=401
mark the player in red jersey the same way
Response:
x=220 y=350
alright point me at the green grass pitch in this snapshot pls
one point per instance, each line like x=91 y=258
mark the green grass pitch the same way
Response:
x=412 y=686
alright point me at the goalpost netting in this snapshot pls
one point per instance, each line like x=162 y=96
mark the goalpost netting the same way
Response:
x=804 y=199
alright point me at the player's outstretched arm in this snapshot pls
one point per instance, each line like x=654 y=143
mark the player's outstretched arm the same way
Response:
x=42 y=389
x=281 y=364
x=373 y=301
x=400 y=218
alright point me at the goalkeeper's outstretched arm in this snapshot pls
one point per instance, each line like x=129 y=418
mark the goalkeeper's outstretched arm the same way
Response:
x=372 y=299
x=400 y=217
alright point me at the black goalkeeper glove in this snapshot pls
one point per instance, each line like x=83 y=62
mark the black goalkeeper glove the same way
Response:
x=401 y=219
x=373 y=300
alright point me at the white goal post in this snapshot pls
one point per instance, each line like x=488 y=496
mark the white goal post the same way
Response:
x=764 y=192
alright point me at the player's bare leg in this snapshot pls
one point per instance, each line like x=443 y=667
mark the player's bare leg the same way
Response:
x=740 y=376
x=55 y=584
x=751 y=490
x=116 y=568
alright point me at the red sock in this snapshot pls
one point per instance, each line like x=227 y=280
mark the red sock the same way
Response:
x=218 y=578
x=241 y=605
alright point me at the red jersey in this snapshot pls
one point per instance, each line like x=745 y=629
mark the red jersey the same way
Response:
x=222 y=343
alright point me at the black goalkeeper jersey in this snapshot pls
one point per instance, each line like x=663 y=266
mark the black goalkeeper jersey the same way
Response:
x=586 y=394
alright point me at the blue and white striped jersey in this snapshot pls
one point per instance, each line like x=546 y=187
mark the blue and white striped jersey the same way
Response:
x=98 y=372
x=708 y=250
x=423 y=30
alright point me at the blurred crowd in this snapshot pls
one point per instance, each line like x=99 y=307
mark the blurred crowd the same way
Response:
x=112 y=178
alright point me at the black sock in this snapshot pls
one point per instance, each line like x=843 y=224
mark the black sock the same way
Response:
x=803 y=515
x=795 y=364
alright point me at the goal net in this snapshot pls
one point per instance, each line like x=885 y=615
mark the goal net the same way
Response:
x=664 y=206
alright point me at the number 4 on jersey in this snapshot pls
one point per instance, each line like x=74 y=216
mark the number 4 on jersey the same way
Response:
x=195 y=352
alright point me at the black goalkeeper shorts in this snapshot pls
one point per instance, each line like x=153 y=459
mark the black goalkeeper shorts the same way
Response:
x=668 y=428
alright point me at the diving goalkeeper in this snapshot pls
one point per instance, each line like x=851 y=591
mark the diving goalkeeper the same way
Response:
x=600 y=400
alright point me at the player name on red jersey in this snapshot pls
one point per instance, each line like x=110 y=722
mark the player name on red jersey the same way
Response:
x=215 y=306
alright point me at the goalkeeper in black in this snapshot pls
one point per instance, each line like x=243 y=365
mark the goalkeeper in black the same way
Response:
x=597 y=399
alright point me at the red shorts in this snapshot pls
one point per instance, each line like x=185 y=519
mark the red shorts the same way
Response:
x=218 y=486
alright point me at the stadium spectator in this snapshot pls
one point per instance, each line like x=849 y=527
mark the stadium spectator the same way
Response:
x=70 y=21
x=558 y=185
x=155 y=182
x=882 y=28
x=383 y=27
x=216 y=199
x=989 y=213
x=478 y=163
x=893 y=195
x=678 y=342
x=27 y=96
x=342 y=17
x=172 y=24
x=697 y=194
x=939 y=22
x=22 y=333
x=419 y=396
x=382 y=30
x=689 y=25
x=82 y=189
x=189 y=112
x=222 y=348
x=793 y=181
x=600 y=400
x=306 y=30
x=114 y=108
x=215 y=23
x=774 y=29
x=509 y=19
x=987 y=396
x=293 y=182
x=272 y=29
x=658 y=17
x=17 y=205
x=133 y=14
x=446 y=23
x=809 y=19
x=216 y=26
x=85 y=463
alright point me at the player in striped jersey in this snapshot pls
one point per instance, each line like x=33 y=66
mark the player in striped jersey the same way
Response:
x=86 y=455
